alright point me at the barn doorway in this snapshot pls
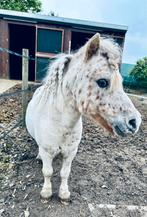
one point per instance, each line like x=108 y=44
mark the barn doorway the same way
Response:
x=21 y=36
x=78 y=39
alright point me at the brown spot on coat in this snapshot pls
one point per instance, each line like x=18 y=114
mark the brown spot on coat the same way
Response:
x=89 y=94
x=89 y=87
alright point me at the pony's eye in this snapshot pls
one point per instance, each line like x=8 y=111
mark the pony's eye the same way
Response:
x=103 y=83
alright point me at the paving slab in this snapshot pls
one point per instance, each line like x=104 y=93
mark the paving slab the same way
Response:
x=6 y=84
x=107 y=210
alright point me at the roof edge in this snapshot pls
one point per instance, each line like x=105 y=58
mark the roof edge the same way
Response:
x=46 y=18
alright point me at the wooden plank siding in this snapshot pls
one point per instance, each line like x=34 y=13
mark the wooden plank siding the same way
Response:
x=4 y=56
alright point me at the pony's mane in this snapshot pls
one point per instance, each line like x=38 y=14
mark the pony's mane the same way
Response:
x=56 y=72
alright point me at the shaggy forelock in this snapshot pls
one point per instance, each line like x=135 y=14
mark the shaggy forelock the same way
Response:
x=111 y=50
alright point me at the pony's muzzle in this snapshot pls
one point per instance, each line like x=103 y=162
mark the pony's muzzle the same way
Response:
x=123 y=128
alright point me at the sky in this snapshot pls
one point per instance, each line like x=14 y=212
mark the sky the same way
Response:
x=132 y=13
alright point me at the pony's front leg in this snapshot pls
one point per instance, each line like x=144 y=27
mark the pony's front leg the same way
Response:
x=64 y=193
x=47 y=171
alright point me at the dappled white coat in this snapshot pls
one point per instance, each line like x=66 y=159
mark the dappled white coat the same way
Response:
x=87 y=82
x=54 y=122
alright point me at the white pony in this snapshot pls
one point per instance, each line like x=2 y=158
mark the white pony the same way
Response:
x=87 y=82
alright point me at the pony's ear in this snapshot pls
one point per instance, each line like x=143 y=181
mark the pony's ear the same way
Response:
x=92 y=46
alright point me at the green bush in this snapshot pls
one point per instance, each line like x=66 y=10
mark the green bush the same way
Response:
x=139 y=73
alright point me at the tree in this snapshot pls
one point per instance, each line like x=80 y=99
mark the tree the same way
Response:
x=139 y=72
x=21 y=5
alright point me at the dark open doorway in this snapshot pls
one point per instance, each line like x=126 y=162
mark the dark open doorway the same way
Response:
x=79 y=39
x=21 y=36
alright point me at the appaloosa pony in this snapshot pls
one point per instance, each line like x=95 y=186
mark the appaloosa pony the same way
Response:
x=88 y=83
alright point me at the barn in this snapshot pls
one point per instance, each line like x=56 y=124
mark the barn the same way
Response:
x=45 y=36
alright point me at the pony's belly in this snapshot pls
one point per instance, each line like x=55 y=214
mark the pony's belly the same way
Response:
x=54 y=137
x=29 y=120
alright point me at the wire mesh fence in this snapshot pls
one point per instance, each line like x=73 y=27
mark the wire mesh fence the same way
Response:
x=5 y=131
x=2 y=49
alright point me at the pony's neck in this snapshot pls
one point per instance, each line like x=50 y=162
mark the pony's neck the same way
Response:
x=71 y=81
x=65 y=105
x=59 y=87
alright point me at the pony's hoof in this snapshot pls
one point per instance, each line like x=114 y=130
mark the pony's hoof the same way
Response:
x=46 y=193
x=65 y=202
x=64 y=197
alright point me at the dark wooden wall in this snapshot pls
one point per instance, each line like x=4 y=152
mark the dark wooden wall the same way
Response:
x=4 y=56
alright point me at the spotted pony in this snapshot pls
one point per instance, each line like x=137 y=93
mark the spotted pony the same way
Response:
x=88 y=83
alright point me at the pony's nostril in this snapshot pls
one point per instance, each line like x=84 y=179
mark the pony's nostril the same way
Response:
x=132 y=122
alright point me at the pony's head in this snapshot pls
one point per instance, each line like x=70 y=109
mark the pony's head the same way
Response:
x=98 y=88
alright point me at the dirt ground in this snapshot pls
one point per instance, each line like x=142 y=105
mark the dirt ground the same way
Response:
x=106 y=170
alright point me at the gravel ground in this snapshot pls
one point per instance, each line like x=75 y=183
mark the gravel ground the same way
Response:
x=106 y=170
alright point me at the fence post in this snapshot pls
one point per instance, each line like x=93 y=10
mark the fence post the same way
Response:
x=25 y=66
